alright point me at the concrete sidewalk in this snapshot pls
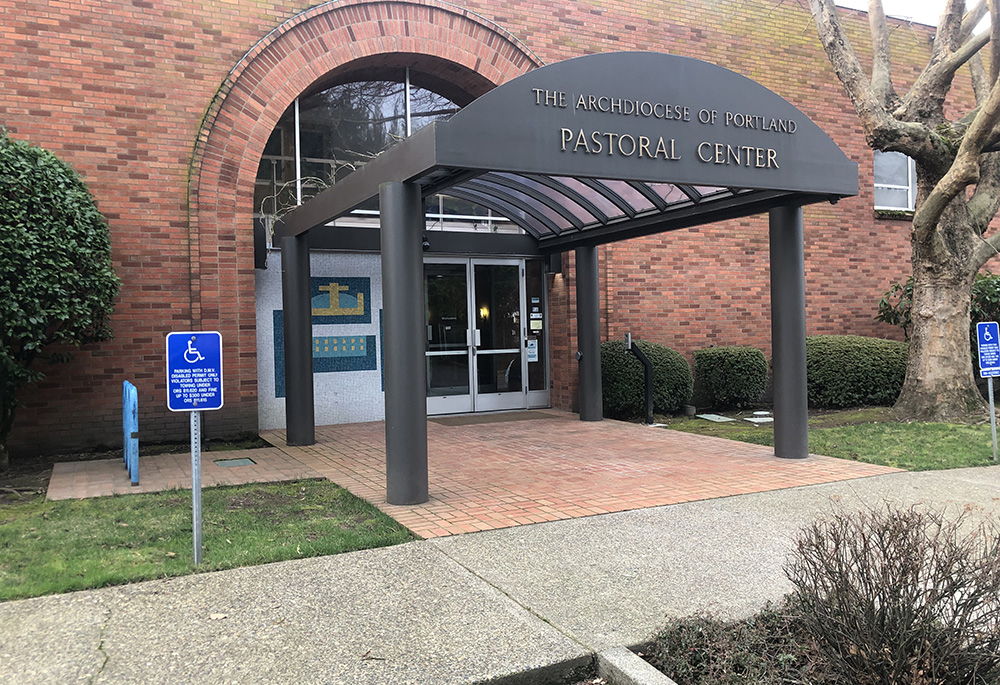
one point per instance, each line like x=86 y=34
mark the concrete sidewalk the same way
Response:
x=524 y=604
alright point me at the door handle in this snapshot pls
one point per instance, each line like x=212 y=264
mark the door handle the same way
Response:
x=479 y=338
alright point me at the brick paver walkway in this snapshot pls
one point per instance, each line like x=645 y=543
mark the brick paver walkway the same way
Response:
x=496 y=474
x=78 y=479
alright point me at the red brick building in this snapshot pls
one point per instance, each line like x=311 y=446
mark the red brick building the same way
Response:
x=168 y=108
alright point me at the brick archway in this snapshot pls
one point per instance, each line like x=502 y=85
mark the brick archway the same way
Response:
x=450 y=44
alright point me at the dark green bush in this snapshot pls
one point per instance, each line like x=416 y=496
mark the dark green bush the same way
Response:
x=57 y=283
x=731 y=376
x=853 y=371
x=622 y=379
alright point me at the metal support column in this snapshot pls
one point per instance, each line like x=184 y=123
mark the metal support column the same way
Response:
x=788 y=333
x=300 y=416
x=588 y=333
x=404 y=343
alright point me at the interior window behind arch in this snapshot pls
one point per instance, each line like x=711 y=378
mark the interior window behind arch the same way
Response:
x=340 y=129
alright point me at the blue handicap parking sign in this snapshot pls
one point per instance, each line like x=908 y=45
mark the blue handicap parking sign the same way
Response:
x=988 y=335
x=194 y=371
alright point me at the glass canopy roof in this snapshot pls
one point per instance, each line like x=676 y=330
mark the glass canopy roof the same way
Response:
x=557 y=206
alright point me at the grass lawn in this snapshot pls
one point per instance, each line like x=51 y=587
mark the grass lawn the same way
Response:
x=869 y=435
x=49 y=547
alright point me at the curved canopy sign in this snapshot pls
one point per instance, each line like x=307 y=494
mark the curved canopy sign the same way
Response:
x=588 y=151
x=647 y=117
x=610 y=146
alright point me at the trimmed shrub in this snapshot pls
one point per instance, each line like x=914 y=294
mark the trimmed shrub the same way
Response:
x=901 y=596
x=622 y=379
x=852 y=370
x=731 y=376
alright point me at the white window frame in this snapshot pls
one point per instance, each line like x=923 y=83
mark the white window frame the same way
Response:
x=910 y=184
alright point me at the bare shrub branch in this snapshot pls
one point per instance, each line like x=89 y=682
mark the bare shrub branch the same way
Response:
x=901 y=596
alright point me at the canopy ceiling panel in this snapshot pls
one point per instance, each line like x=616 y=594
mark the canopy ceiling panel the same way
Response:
x=608 y=147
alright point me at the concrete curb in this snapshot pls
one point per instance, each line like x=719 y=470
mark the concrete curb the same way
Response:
x=622 y=666
x=562 y=672
x=618 y=665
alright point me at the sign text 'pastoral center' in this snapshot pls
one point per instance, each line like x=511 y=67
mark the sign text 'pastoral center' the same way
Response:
x=581 y=140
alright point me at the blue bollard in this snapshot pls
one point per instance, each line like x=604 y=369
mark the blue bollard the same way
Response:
x=130 y=430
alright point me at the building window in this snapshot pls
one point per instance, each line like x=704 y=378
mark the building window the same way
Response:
x=895 y=182
x=324 y=136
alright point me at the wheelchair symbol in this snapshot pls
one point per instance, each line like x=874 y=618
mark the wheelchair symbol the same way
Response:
x=192 y=355
x=986 y=335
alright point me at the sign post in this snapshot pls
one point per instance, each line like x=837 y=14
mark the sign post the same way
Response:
x=194 y=384
x=988 y=337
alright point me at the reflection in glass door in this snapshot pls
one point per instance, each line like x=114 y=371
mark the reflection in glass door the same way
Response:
x=448 y=338
x=497 y=362
x=497 y=349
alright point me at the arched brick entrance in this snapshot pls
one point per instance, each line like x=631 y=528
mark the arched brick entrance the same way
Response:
x=452 y=47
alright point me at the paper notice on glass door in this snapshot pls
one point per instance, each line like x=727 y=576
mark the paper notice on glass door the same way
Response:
x=532 y=351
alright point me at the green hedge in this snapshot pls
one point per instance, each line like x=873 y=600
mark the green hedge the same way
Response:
x=852 y=370
x=622 y=379
x=730 y=377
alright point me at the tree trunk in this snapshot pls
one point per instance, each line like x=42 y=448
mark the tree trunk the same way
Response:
x=4 y=457
x=939 y=384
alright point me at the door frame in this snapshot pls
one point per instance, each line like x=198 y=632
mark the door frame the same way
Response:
x=499 y=401
x=476 y=401
x=452 y=404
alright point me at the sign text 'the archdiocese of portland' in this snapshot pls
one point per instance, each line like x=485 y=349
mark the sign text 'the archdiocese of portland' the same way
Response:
x=664 y=148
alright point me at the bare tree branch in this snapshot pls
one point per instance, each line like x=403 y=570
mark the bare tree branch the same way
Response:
x=926 y=98
x=845 y=64
x=985 y=201
x=969 y=49
x=964 y=170
x=949 y=33
x=882 y=131
x=881 y=56
x=994 y=40
x=972 y=18
x=984 y=204
x=980 y=81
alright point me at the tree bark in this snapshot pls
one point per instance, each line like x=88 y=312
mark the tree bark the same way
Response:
x=4 y=457
x=940 y=385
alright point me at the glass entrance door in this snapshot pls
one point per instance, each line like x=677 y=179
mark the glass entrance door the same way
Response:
x=483 y=354
x=446 y=303
x=498 y=301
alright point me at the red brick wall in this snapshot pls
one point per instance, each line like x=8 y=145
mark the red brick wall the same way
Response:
x=164 y=107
